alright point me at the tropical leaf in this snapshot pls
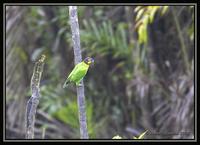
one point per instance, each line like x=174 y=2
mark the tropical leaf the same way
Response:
x=117 y=137
x=141 y=136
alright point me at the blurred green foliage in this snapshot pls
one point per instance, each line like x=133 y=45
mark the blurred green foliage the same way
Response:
x=145 y=15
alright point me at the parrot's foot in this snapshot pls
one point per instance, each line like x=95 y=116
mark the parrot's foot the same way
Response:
x=79 y=84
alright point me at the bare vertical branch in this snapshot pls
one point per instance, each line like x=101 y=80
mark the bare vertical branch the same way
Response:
x=34 y=100
x=78 y=58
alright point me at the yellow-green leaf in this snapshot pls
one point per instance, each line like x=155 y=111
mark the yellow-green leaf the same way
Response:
x=139 y=14
x=141 y=135
x=151 y=17
x=164 y=10
x=142 y=32
x=137 y=8
x=135 y=137
x=117 y=137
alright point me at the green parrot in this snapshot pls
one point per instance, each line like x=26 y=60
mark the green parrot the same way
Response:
x=79 y=72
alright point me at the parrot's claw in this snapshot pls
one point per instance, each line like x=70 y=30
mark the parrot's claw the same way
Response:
x=79 y=85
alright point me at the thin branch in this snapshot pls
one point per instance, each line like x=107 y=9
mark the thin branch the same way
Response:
x=34 y=100
x=78 y=58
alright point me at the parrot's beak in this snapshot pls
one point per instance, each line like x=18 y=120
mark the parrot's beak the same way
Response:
x=92 y=62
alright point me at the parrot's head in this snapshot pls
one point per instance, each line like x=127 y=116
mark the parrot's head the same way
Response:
x=89 y=60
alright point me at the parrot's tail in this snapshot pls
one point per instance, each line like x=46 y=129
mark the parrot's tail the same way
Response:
x=66 y=83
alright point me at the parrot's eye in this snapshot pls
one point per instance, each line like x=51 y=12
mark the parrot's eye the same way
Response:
x=88 y=60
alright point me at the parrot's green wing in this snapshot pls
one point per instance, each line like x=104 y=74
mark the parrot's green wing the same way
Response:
x=68 y=78
x=74 y=71
x=77 y=74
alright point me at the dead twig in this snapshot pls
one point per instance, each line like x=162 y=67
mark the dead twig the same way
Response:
x=34 y=100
